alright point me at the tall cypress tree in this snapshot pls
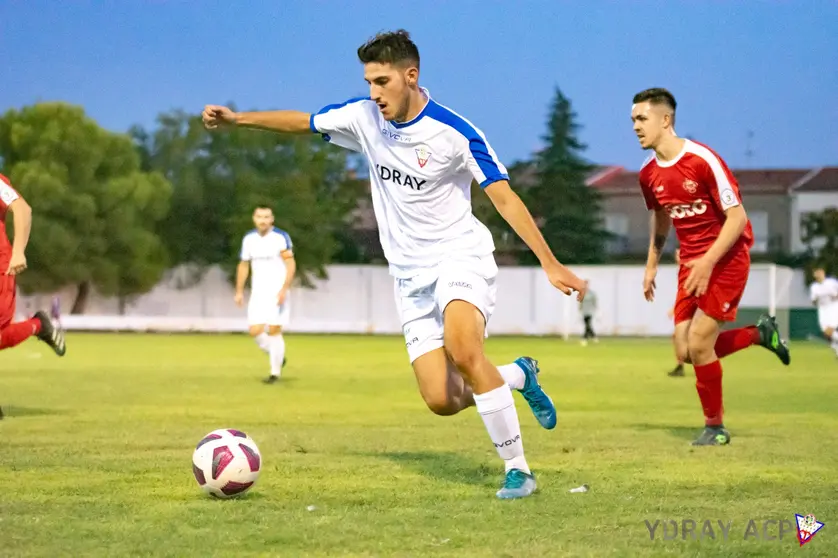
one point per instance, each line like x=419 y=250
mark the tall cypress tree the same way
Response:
x=568 y=211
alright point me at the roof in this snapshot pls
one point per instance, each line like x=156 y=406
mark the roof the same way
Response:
x=617 y=180
x=823 y=179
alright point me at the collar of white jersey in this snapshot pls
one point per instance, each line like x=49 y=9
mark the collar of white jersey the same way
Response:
x=418 y=116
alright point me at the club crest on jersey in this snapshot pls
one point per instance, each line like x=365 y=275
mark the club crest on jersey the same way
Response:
x=422 y=155
x=691 y=186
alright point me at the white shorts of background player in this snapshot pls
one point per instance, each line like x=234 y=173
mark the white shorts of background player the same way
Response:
x=422 y=298
x=262 y=309
x=828 y=317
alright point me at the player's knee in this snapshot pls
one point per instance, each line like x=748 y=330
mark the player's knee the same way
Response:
x=256 y=330
x=828 y=332
x=440 y=404
x=467 y=357
x=274 y=330
x=699 y=347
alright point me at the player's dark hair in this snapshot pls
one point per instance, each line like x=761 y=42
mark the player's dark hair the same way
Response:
x=656 y=96
x=392 y=47
x=263 y=206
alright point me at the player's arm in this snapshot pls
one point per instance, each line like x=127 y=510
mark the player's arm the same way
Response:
x=23 y=224
x=659 y=225
x=512 y=209
x=282 y=121
x=290 y=268
x=723 y=192
x=242 y=271
x=735 y=222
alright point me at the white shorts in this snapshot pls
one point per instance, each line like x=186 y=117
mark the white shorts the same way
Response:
x=828 y=316
x=422 y=299
x=263 y=310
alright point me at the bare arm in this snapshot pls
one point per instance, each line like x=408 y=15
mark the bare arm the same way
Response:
x=23 y=224
x=283 y=121
x=735 y=222
x=514 y=212
x=242 y=272
x=291 y=270
x=659 y=226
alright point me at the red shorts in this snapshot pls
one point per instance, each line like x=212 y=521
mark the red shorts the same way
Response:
x=724 y=290
x=7 y=299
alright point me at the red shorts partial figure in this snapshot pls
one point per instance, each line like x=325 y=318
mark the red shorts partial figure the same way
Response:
x=686 y=185
x=12 y=264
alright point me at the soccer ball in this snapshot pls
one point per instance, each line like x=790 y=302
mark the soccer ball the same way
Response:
x=226 y=463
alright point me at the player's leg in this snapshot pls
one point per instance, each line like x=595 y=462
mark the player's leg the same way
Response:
x=440 y=383
x=276 y=341
x=40 y=325
x=463 y=338
x=708 y=379
x=680 y=346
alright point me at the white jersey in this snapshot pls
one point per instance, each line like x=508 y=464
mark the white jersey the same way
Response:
x=268 y=271
x=420 y=173
x=824 y=294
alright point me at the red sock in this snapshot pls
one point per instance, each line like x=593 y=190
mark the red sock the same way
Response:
x=15 y=334
x=734 y=340
x=708 y=383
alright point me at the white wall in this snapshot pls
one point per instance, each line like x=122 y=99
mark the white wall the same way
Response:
x=360 y=299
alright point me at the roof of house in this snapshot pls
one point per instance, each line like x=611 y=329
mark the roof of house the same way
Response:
x=616 y=180
x=823 y=179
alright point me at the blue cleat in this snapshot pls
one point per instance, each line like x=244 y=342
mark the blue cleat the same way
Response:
x=517 y=484
x=540 y=403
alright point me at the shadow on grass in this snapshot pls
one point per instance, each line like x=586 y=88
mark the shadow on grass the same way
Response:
x=12 y=411
x=688 y=433
x=444 y=466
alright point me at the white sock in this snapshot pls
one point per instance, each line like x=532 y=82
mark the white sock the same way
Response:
x=835 y=336
x=277 y=352
x=263 y=341
x=512 y=375
x=497 y=408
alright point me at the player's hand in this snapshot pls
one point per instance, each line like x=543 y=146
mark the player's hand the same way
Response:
x=649 y=283
x=17 y=264
x=671 y=313
x=567 y=281
x=239 y=298
x=283 y=294
x=699 y=277
x=217 y=115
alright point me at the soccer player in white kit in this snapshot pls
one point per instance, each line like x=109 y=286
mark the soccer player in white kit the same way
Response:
x=267 y=252
x=824 y=294
x=422 y=158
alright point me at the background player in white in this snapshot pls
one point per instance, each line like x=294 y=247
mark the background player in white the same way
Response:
x=422 y=159
x=268 y=251
x=824 y=294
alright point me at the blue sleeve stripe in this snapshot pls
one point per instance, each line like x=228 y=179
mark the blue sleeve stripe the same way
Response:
x=477 y=145
x=326 y=109
x=284 y=234
x=311 y=124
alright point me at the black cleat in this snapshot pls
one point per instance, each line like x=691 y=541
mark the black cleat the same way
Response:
x=1 y=413
x=769 y=337
x=676 y=372
x=713 y=436
x=271 y=379
x=51 y=333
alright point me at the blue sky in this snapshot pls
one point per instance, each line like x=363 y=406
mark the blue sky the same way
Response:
x=768 y=67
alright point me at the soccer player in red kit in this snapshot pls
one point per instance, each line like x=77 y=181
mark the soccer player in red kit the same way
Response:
x=688 y=186
x=12 y=264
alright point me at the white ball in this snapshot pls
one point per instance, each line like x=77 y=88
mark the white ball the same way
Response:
x=226 y=463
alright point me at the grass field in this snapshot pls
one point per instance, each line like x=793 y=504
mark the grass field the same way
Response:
x=95 y=453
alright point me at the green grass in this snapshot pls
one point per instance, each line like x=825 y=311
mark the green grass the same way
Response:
x=95 y=453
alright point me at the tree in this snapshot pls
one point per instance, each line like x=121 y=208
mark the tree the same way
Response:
x=566 y=209
x=94 y=211
x=220 y=176
x=820 y=235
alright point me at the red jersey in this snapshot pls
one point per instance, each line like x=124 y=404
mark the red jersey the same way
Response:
x=695 y=189
x=7 y=196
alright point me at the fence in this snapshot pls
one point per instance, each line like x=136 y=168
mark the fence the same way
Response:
x=359 y=299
